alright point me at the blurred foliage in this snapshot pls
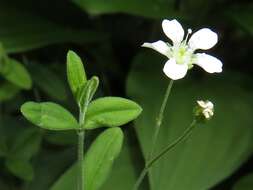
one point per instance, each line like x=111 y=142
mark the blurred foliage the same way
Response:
x=35 y=37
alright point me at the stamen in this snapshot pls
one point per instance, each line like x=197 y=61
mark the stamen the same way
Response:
x=189 y=31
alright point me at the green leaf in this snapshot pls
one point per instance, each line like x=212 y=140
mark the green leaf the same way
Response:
x=26 y=144
x=245 y=183
x=213 y=152
x=44 y=175
x=111 y=112
x=152 y=8
x=31 y=30
x=48 y=81
x=75 y=71
x=8 y=91
x=16 y=73
x=124 y=171
x=20 y=168
x=86 y=92
x=98 y=162
x=49 y=116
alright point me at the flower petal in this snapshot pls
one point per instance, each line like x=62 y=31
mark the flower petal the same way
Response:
x=209 y=63
x=159 y=46
x=173 y=30
x=173 y=70
x=203 y=39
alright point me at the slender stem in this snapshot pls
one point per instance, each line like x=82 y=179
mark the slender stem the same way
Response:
x=168 y=148
x=160 y=120
x=140 y=178
x=81 y=135
x=80 y=149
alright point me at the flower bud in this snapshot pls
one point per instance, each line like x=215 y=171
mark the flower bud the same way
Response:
x=204 y=110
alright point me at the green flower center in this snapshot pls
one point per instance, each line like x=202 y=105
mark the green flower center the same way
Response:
x=183 y=54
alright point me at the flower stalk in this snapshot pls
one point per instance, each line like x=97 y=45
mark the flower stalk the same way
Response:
x=160 y=119
x=168 y=148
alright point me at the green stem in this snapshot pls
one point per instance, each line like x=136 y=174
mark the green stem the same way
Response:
x=81 y=135
x=184 y=136
x=160 y=119
x=80 y=149
x=168 y=148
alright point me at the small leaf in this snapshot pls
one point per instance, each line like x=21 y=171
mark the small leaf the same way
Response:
x=20 y=168
x=98 y=162
x=75 y=71
x=111 y=112
x=49 y=116
x=16 y=73
x=86 y=92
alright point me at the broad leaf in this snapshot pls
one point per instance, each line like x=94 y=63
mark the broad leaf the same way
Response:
x=124 y=171
x=245 y=183
x=75 y=71
x=152 y=8
x=49 y=116
x=32 y=31
x=213 y=152
x=16 y=73
x=97 y=163
x=111 y=112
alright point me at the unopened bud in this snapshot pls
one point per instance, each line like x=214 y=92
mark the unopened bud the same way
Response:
x=204 y=110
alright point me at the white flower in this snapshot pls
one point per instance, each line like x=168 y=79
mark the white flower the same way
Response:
x=205 y=108
x=181 y=53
